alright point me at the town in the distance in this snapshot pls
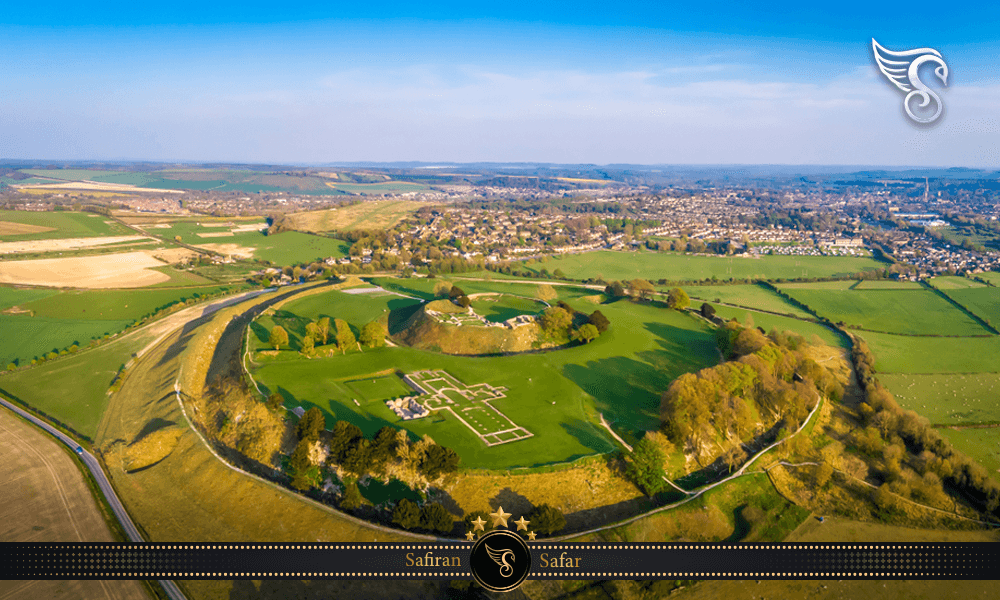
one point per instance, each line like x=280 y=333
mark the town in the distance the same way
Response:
x=397 y=351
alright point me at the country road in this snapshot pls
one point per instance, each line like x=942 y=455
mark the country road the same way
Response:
x=102 y=482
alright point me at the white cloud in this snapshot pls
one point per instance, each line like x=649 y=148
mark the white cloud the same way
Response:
x=674 y=114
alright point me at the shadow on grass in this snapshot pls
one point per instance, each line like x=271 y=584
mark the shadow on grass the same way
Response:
x=511 y=502
x=627 y=391
x=154 y=425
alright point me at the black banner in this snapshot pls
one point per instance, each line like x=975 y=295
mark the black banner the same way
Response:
x=452 y=561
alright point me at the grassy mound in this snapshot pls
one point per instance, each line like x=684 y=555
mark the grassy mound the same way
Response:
x=151 y=448
x=426 y=333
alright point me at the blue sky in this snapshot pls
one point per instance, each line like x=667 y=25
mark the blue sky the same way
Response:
x=649 y=83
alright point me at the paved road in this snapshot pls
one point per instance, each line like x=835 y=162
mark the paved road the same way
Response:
x=102 y=482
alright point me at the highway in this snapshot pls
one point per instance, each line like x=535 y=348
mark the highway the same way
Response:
x=102 y=482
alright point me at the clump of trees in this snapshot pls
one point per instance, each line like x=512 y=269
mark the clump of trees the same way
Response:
x=432 y=516
x=767 y=382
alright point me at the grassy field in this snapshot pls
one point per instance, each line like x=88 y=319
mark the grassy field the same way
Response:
x=906 y=354
x=115 y=304
x=981 y=444
x=767 y=321
x=750 y=296
x=984 y=302
x=46 y=499
x=27 y=337
x=499 y=308
x=951 y=282
x=682 y=267
x=424 y=288
x=388 y=187
x=62 y=224
x=887 y=284
x=380 y=214
x=293 y=247
x=892 y=311
x=10 y=296
x=379 y=388
x=74 y=389
x=992 y=277
x=948 y=399
x=644 y=350
x=77 y=316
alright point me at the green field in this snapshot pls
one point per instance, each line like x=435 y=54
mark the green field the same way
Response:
x=292 y=247
x=767 y=321
x=984 y=302
x=376 y=214
x=389 y=187
x=117 y=305
x=379 y=388
x=948 y=399
x=497 y=309
x=992 y=277
x=887 y=284
x=73 y=390
x=681 y=267
x=286 y=248
x=908 y=354
x=76 y=316
x=29 y=337
x=846 y=284
x=65 y=224
x=10 y=296
x=893 y=311
x=422 y=287
x=750 y=296
x=952 y=282
x=645 y=349
x=981 y=444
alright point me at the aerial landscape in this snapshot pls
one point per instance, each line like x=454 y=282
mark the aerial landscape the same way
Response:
x=269 y=325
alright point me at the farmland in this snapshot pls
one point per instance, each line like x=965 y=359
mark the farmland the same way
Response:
x=76 y=387
x=284 y=248
x=55 y=225
x=47 y=320
x=907 y=354
x=749 y=296
x=379 y=214
x=992 y=277
x=120 y=270
x=948 y=399
x=682 y=267
x=892 y=311
x=643 y=351
x=984 y=302
x=951 y=282
x=981 y=443
x=46 y=499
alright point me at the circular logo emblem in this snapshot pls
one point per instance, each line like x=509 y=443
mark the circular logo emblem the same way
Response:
x=500 y=561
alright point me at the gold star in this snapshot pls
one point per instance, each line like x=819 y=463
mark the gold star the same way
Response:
x=499 y=517
x=477 y=525
x=522 y=523
x=470 y=536
x=531 y=535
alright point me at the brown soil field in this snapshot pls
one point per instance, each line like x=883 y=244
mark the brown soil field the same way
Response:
x=379 y=214
x=57 y=245
x=231 y=249
x=11 y=228
x=172 y=255
x=214 y=234
x=46 y=499
x=95 y=186
x=122 y=270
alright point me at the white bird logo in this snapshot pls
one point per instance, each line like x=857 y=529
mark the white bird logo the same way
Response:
x=500 y=558
x=901 y=68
